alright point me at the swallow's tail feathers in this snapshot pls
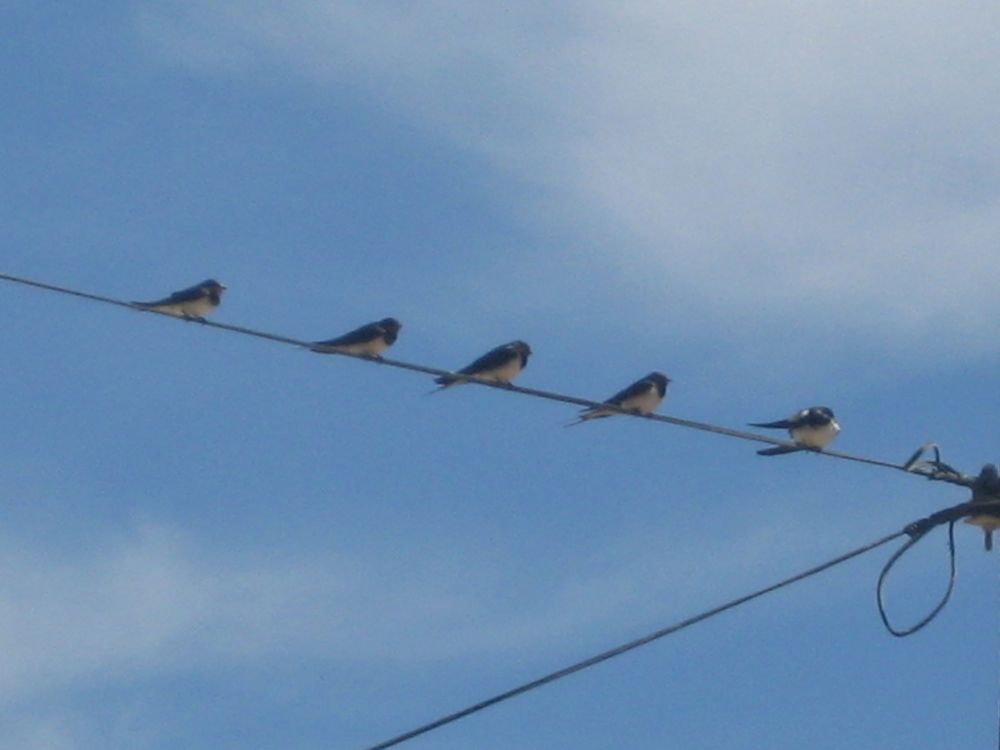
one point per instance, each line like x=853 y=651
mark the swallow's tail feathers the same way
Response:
x=777 y=450
x=324 y=347
x=586 y=415
x=445 y=381
x=780 y=424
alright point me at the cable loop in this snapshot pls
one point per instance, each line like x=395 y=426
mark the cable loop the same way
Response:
x=919 y=532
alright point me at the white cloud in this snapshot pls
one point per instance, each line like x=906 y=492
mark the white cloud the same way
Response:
x=151 y=602
x=760 y=156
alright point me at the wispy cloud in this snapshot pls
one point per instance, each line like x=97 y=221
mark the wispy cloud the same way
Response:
x=151 y=602
x=834 y=161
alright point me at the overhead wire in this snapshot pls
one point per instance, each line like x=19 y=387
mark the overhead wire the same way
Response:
x=629 y=646
x=933 y=469
x=983 y=503
x=523 y=390
x=916 y=531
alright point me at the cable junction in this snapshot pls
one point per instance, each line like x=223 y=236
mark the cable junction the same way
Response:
x=913 y=466
x=982 y=509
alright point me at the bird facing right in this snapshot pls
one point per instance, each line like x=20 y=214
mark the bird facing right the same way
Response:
x=501 y=364
x=986 y=489
x=642 y=397
x=193 y=303
x=811 y=428
x=369 y=340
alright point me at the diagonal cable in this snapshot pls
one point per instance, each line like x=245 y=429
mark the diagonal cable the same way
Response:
x=625 y=647
x=535 y=392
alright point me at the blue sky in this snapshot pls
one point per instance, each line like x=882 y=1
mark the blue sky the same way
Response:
x=211 y=541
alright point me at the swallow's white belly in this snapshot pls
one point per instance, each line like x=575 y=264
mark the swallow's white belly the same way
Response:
x=370 y=348
x=505 y=373
x=986 y=523
x=816 y=437
x=644 y=403
x=198 y=308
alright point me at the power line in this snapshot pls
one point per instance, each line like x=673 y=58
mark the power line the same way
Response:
x=535 y=392
x=916 y=531
x=915 y=537
x=625 y=647
x=933 y=469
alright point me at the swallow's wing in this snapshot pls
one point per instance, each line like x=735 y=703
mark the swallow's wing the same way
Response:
x=490 y=361
x=638 y=388
x=361 y=335
x=190 y=294
x=780 y=424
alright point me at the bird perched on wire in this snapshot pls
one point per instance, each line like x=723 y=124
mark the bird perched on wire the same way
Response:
x=369 y=340
x=193 y=303
x=811 y=428
x=500 y=365
x=986 y=489
x=642 y=397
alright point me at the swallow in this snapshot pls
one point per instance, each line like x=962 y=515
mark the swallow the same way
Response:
x=642 y=397
x=193 y=303
x=369 y=340
x=986 y=489
x=812 y=428
x=500 y=365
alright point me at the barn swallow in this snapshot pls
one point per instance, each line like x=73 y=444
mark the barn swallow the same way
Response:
x=642 y=397
x=813 y=428
x=369 y=340
x=193 y=303
x=501 y=364
x=986 y=489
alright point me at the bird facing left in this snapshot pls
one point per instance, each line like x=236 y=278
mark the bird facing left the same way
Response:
x=642 y=397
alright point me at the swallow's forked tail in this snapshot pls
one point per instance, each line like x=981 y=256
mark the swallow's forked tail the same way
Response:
x=777 y=450
x=588 y=414
x=443 y=382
